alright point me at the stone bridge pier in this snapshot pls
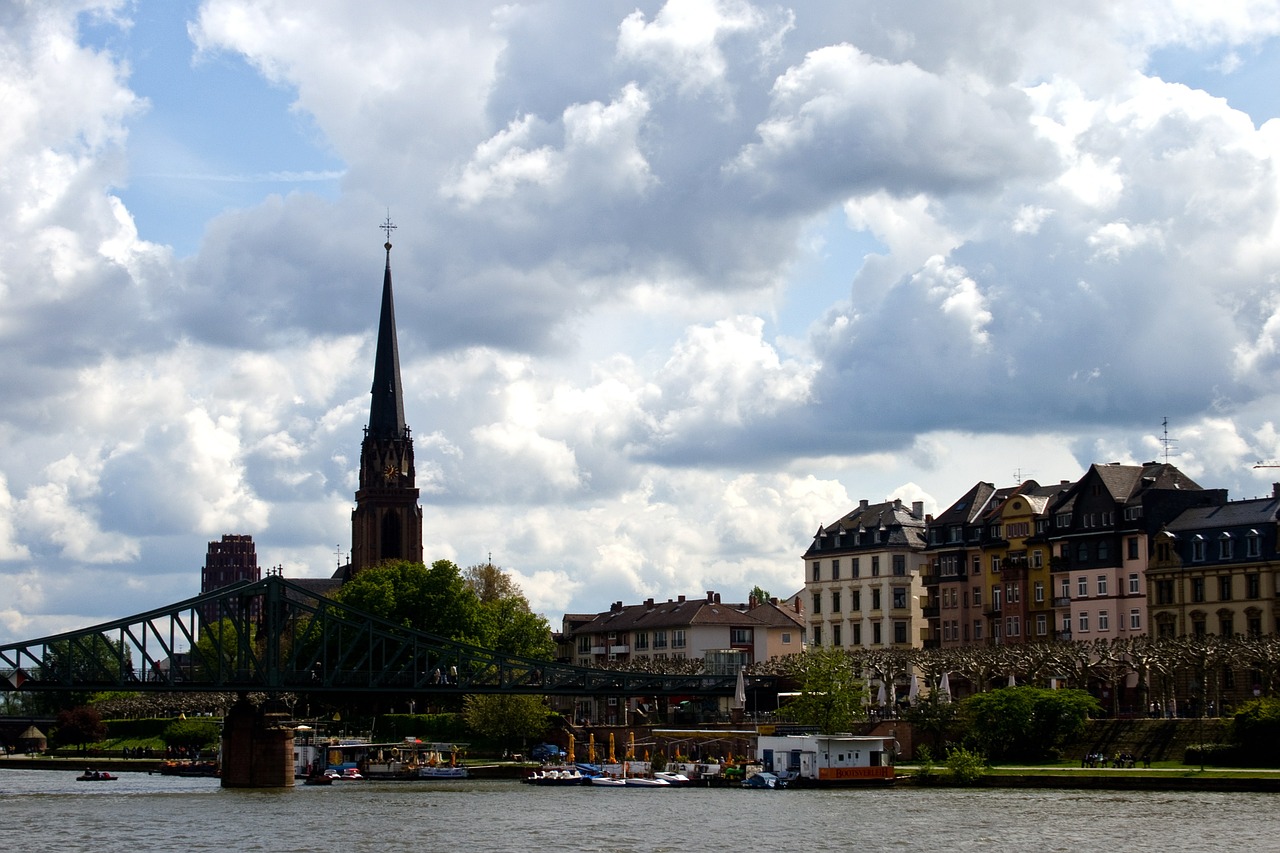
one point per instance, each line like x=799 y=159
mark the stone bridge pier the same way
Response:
x=257 y=748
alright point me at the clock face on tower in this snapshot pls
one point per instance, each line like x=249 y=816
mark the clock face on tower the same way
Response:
x=390 y=473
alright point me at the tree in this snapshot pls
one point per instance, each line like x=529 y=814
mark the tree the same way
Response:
x=490 y=583
x=192 y=734
x=1026 y=723
x=436 y=599
x=508 y=719
x=831 y=691
x=760 y=594
x=1256 y=730
x=80 y=726
x=83 y=659
x=223 y=649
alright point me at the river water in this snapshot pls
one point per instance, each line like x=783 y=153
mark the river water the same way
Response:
x=49 y=811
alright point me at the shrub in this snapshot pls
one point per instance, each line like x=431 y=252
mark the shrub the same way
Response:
x=964 y=766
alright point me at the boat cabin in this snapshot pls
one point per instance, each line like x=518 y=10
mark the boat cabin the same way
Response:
x=827 y=759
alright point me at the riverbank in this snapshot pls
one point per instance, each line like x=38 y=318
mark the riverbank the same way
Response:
x=1224 y=779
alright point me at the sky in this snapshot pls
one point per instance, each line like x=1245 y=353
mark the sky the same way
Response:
x=676 y=282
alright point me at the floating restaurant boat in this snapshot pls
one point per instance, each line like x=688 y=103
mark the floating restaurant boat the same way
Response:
x=827 y=759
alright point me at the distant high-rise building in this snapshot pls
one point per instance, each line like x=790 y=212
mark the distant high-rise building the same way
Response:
x=229 y=561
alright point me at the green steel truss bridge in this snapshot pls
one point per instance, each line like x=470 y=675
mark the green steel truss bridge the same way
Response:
x=275 y=636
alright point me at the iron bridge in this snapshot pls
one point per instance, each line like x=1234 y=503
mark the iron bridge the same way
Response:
x=275 y=636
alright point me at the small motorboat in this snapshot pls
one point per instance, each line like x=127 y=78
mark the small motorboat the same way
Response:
x=608 y=782
x=645 y=782
x=95 y=776
x=673 y=778
x=766 y=781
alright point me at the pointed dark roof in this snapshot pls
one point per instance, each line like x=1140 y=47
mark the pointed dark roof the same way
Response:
x=386 y=413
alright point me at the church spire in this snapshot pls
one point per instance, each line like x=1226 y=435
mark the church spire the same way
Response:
x=386 y=413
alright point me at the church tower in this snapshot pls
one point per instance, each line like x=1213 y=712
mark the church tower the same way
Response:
x=387 y=521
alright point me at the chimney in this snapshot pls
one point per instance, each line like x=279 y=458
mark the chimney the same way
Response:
x=648 y=602
x=710 y=596
x=680 y=599
x=774 y=601
x=717 y=598
x=616 y=607
x=917 y=509
x=752 y=604
x=862 y=504
x=1275 y=490
x=799 y=604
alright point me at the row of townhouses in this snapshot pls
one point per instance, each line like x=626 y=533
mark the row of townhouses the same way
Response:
x=1125 y=550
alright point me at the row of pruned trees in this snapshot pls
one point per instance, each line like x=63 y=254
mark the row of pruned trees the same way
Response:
x=1160 y=671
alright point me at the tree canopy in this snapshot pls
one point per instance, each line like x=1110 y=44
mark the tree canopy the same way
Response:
x=483 y=606
x=1026 y=723
x=831 y=692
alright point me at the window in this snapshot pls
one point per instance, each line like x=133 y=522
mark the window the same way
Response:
x=857 y=633
x=1135 y=620
x=1255 y=626
x=817 y=600
x=677 y=638
x=1226 y=625
x=876 y=637
x=1082 y=552
x=953 y=533
x=584 y=644
x=786 y=638
x=1104 y=550
x=899 y=631
x=1082 y=587
x=817 y=570
x=1012 y=593
x=857 y=600
x=1132 y=542
x=1042 y=624
x=1252 y=544
x=875 y=599
x=995 y=598
x=1164 y=592
x=835 y=635
x=1066 y=624
x=1225 y=549
x=977 y=596
x=1062 y=519
x=1039 y=592
x=642 y=640
x=977 y=564
x=1102 y=584
x=995 y=630
x=856 y=566
x=1037 y=559
x=1197 y=589
x=1066 y=588
x=899 y=597
x=1224 y=588
x=835 y=570
x=1197 y=549
x=1135 y=586
x=875 y=567
x=659 y=639
x=899 y=564
x=995 y=564
x=817 y=635
x=1252 y=587
x=1083 y=622
x=996 y=532
x=977 y=629
x=1198 y=626
x=1104 y=620
x=835 y=601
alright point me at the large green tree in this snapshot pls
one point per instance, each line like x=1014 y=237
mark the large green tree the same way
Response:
x=79 y=726
x=481 y=606
x=831 y=691
x=509 y=719
x=1026 y=723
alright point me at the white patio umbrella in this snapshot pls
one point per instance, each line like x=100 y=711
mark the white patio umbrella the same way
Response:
x=944 y=688
x=1013 y=682
x=740 y=690
x=880 y=696
x=913 y=692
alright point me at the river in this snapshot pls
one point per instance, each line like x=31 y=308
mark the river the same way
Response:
x=49 y=811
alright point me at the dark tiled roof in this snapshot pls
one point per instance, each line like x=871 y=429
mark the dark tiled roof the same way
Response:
x=680 y=614
x=1257 y=512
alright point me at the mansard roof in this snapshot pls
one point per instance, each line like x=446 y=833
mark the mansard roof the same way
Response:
x=1252 y=512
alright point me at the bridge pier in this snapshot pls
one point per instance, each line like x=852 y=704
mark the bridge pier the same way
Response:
x=257 y=748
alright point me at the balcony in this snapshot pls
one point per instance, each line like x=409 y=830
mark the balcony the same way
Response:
x=599 y=650
x=1062 y=601
x=620 y=649
x=931 y=611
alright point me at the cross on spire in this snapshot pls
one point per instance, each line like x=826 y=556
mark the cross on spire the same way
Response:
x=388 y=226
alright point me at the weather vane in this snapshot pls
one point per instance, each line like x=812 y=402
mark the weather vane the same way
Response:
x=388 y=226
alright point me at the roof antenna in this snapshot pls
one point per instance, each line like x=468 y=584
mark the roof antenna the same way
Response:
x=1166 y=441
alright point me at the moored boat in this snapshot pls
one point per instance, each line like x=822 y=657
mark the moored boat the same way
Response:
x=95 y=776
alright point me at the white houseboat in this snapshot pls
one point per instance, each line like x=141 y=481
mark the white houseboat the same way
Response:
x=827 y=759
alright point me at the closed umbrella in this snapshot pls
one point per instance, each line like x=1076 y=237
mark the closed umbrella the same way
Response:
x=612 y=760
x=944 y=688
x=913 y=692
x=591 y=748
x=740 y=690
x=570 y=755
x=631 y=747
x=1013 y=682
x=880 y=696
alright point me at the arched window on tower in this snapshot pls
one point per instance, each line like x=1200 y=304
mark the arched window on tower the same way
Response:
x=391 y=539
